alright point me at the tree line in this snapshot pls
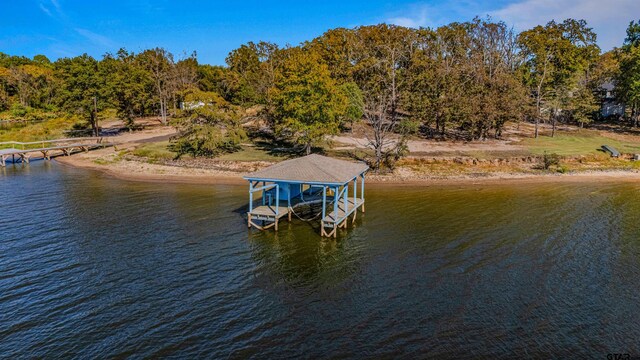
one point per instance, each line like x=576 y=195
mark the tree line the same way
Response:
x=463 y=79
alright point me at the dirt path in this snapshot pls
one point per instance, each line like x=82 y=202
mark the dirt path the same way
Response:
x=346 y=142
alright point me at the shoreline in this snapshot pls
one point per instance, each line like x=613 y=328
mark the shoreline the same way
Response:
x=153 y=173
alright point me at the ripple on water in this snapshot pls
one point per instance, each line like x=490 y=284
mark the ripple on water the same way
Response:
x=97 y=267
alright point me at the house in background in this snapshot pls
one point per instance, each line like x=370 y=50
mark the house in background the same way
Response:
x=609 y=105
x=190 y=105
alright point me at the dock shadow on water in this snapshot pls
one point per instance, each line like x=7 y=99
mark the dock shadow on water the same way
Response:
x=96 y=267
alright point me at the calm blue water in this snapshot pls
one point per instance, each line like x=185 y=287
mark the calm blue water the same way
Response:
x=94 y=267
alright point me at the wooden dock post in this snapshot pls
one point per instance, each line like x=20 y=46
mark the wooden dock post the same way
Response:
x=362 y=192
x=24 y=158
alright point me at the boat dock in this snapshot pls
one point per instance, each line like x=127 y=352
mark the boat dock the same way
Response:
x=337 y=184
x=24 y=151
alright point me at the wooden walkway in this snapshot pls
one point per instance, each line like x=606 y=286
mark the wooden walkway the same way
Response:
x=333 y=221
x=267 y=213
x=342 y=212
x=48 y=148
x=338 y=220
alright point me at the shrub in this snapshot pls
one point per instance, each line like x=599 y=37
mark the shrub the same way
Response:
x=18 y=111
x=393 y=155
x=549 y=160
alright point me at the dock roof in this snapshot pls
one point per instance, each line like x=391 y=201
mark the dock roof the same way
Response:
x=311 y=169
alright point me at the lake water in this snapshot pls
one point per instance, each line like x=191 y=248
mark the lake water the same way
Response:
x=95 y=267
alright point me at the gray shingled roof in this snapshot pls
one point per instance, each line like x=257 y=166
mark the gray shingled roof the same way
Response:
x=311 y=168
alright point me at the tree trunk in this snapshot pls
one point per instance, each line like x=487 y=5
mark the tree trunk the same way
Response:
x=553 y=122
x=94 y=125
x=539 y=95
x=163 y=111
x=94 y=117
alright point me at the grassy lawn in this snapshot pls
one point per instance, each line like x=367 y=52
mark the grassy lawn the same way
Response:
x=155 y=151
x=580 y=143
x=252 y=153
x=49 y=129
x=159 y=151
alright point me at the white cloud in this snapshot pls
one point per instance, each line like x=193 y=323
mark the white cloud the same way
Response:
x=45 y=10
x=96 y=39
x=56 y=4
x=45 y=6
x=431 y=15
x=414 y=21
x=608 y=19
x=59 y=15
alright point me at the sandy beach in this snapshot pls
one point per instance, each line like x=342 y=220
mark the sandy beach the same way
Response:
x=141 y=171
x=110 y=162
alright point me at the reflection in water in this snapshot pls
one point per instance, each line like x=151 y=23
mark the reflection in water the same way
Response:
x=97 y=267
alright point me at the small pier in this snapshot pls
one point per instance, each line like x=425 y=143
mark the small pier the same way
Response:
x=24 y=151
x=282 y=188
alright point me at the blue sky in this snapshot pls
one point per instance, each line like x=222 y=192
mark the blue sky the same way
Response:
x=61 y=28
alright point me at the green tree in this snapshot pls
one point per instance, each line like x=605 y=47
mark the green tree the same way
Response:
x=252 y=72
x=214 y=79
x=128 y=85
x=628 y=79
x=584 y=106
x=355 y=103
x=633 y=34
x=308 y=104
x=82 y=88
x=208 y=130
x=557 y=55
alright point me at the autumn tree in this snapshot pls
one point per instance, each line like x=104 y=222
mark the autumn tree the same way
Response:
x=4 y=94
x=493 y=94
x=184 y=78
x=384 y=53
x=159 y=63
x=338 y=49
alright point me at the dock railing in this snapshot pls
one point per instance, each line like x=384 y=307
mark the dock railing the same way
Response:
x=49 y=143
